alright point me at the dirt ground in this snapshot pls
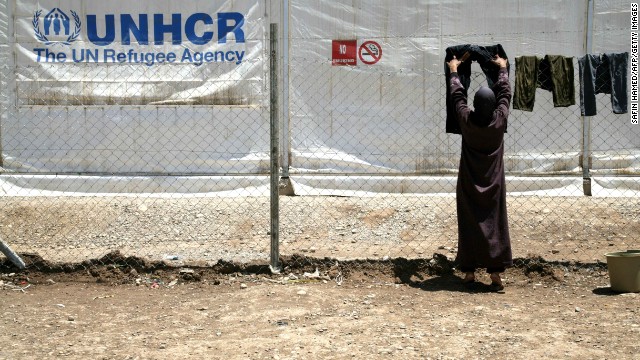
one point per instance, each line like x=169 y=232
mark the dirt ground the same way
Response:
x=398 y=309
x=100 y=285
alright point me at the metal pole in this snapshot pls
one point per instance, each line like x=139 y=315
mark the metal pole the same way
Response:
x=8 y=90
x=11 y=255
x=586 y=120
x=275 y=167
x=286 y=144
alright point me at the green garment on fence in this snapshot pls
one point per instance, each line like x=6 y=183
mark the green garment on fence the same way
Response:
x=553 y=73
x=562 y=78
x=526 y=82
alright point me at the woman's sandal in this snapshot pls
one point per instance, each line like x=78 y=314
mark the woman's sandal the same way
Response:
x=469 y=280
x=496 y=286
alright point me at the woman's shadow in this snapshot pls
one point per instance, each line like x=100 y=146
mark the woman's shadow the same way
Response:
x=436 y=274
x=443 y=282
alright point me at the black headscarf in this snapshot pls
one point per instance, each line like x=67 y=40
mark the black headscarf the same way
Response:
x=484 y=103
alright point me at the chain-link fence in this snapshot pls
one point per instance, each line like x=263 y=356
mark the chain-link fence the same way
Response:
x=409 y=211
x=177 y=180
x=99 y=159
x=155 y=206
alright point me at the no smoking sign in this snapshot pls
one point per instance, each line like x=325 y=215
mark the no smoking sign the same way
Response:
x=370 y=52
x=346 y=52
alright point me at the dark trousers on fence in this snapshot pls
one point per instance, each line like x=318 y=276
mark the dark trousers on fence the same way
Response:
x=606 y=74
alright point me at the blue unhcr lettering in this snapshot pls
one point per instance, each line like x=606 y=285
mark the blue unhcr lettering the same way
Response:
x=224 y=28
x=190 y=28
x=160 y=28
x=140 y=32
x=228 y=23
x=92 y=30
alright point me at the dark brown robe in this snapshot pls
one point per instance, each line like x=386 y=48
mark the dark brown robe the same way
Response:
x=483 y=230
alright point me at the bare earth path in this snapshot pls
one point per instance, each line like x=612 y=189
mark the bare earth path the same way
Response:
x=369 y=316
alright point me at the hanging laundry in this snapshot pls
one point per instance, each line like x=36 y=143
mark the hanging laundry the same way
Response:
x=561 y=77
x=603 y=74
x=484 y=56
x=553 y=73
x=526 y=82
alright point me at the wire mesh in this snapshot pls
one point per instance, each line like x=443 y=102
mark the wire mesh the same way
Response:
x=383 y=182
x=187 y=180
x=178 y=178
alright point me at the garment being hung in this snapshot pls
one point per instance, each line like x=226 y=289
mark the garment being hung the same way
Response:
x=606 y=74
x=553 y=73
x=484 y=56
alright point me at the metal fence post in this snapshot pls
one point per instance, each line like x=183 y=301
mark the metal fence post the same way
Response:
x=275 y=152
x=11 y=255
x=8 y=81
x=586 y=120
x=286 y=144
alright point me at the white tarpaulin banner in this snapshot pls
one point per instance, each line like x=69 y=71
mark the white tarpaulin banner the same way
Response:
x=91 y=52
x=384 y=112
x=174 y=88
x=162 y=87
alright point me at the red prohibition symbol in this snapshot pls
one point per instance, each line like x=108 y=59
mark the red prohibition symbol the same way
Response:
x=370 y=52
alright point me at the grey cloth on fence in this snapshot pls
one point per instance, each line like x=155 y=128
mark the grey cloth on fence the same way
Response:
x=553 y=73
x=603 y=74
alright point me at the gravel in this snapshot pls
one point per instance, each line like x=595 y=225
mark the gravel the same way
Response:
x=204 y=230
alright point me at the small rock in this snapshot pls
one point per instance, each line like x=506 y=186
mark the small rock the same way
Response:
x=578 y=309
x=243 y=286
x=50 y=282
x=302 y=292
x=71 y=318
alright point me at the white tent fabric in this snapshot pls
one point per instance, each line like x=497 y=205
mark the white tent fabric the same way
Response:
x=116 y=115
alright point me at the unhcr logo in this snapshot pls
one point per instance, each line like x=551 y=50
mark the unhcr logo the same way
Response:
x=56 y=27
x=127 y=38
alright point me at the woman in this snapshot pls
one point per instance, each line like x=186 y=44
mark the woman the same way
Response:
x=483 y=230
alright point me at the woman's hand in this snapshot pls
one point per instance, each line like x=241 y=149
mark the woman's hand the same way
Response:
x=453 y=64
x=502 y=63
